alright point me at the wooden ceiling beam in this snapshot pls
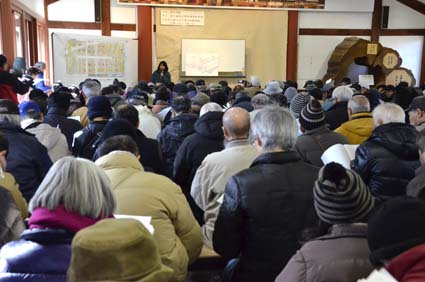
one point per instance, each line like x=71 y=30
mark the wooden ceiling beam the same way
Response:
x=414 y=4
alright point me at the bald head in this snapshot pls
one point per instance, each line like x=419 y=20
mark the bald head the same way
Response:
x=236 y=123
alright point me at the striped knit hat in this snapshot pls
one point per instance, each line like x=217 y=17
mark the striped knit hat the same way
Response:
x=299 y=102
x=312 y=115
x=341 y=196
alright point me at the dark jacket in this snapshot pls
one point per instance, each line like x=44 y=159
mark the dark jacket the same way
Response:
x=313 y=143
x=388 y=159
x=207 y=139
x=57 y=118
x=165 y=79
x=41 y=255
x=115 y=100
x=150 y=154
x=244 y=103
x=265 y=209
x=336 y=115
x=83 y=145
x=171 y=137
x=342 y=255
x=27 y=159
x=416 y=186
x=10 y=85
x=11 y=223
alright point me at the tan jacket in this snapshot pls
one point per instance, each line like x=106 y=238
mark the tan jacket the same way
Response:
x=82 y=113
x=9 y=183
x=177 y=233
x=211 y=179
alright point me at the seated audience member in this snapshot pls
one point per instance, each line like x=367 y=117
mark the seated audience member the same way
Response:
x=177 y=233
x=316 y=137
x=27 y=159
x=99 y=112
x=216 y=169
x=74 y=194
x=112 y=92
x=346 y=81
x=360 y=125
x=290 y=93
x=390 y=94
x=115 y=243
x=176 y=130
x=417 y=113
x=316 y=93
x=11 y=222
x=258 y=102
x=396 y=238
x=149 y=149
x=299 y=102
x=266 y=207
x=388 y=159
x=40 y=98
x=10 y=85
x=198 y=101
x=149 y=125
x=7 y=180
x=416 y=186
x=90 y=88
x=58 y=104
x=255 y=86
x=207 y=138
x=51 y=137
x=180 y=89
x=343 y=203
x=272 y=87
x=242 y=100
x=218 y=94
x=162 y=107
x=337 y=114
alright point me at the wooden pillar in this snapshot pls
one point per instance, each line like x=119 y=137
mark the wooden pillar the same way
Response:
x=7 y=26
x=422 y=79
x=144 y=34
x=292 y=47
x=106 y=18
x=376 y=21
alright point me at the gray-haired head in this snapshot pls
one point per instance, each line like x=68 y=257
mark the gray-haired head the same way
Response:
x=276 y=128
x=359 y=104
x=79 y=185
x=259 y=101
x=40 y=65
x=255 y=81
x=387 y=113
x=342 y=93
x=91 y=88
x=210 y=107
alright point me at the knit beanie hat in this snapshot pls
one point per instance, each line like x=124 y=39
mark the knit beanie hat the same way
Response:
x=299 y=102
x=99 y=106
x=397 y=225
x=312 y=116
x=200 y=99
x=341 y=196
x=116 y=250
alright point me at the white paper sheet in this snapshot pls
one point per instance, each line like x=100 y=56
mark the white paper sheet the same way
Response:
x=202 y=64
x=145 y=220
x=342 y=154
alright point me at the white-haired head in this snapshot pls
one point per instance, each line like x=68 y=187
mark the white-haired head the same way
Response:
x=274 y=128
x=387 y=113
x=342 y=94
x=358 y=104
x=79 y=185
x=255 y=81
x=91 y=88
x=210 y=107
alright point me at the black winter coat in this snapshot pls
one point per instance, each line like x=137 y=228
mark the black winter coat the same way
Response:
x=265 y=209
x=172 y=136
x=83 y=145
x=57 y=118
x=27 y=158
x=388 y=159
x=150 y=154
x=336 y=115
x=208 y=138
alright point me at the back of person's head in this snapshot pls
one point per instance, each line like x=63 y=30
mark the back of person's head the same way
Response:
x=118 y=127
x=279 y=100
x=299 y=102
x=359 y=104
x=341 y=196
x=116 y=250
x=342 y=93
x=291 y=83
x=59 y=99
x=236 y=123
x=273 y=87
x=129 y=113
x=32 y=71
x=316 y=93
x=312 y=116
x=40 y=65
x=259 y=101
x=29 y=110
x=210 y=107
x=346 y=81
x=91 y=88
x=255 y=81
x=200 y=99
x=39 y=97
x=9 y=112
x=118 y=143
x=217 y=94
x=276 y=128
x=3 y=61
x=99 y=107
x=181 y=104
x=162 y=94
x=181 y=89
x=108 y=90
x=394 y=227
x=388 y=113
x=77 y=184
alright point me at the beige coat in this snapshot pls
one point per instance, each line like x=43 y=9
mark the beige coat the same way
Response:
x=177 y=233
x=211 y=179
x=8 y=182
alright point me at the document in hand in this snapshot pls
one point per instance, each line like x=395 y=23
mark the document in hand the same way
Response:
x=338 y=153
x=145 y=220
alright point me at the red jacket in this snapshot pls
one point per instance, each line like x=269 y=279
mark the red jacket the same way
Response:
x=10 y=86
x=409 y=266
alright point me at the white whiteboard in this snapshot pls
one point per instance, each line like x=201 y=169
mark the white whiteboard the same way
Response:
x=231 y=53
x=77 y=57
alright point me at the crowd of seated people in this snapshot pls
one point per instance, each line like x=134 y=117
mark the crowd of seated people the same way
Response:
x=233 y=169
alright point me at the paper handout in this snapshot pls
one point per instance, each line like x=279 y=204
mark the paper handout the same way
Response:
x=145 y=220
x=338 y=153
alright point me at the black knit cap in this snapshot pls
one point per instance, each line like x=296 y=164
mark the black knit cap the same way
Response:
x=312 y=115
x=396 y=226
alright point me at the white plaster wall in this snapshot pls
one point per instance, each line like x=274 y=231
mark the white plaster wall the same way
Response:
x=349 y=20
x=402 y=16
x=36 y=6
x=72 y=10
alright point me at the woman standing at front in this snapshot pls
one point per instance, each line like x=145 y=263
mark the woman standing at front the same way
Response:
x=161 y=75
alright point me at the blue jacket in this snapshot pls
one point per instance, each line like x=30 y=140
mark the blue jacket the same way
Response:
x=27 y=159
x=41 y=255
x=41 y=85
